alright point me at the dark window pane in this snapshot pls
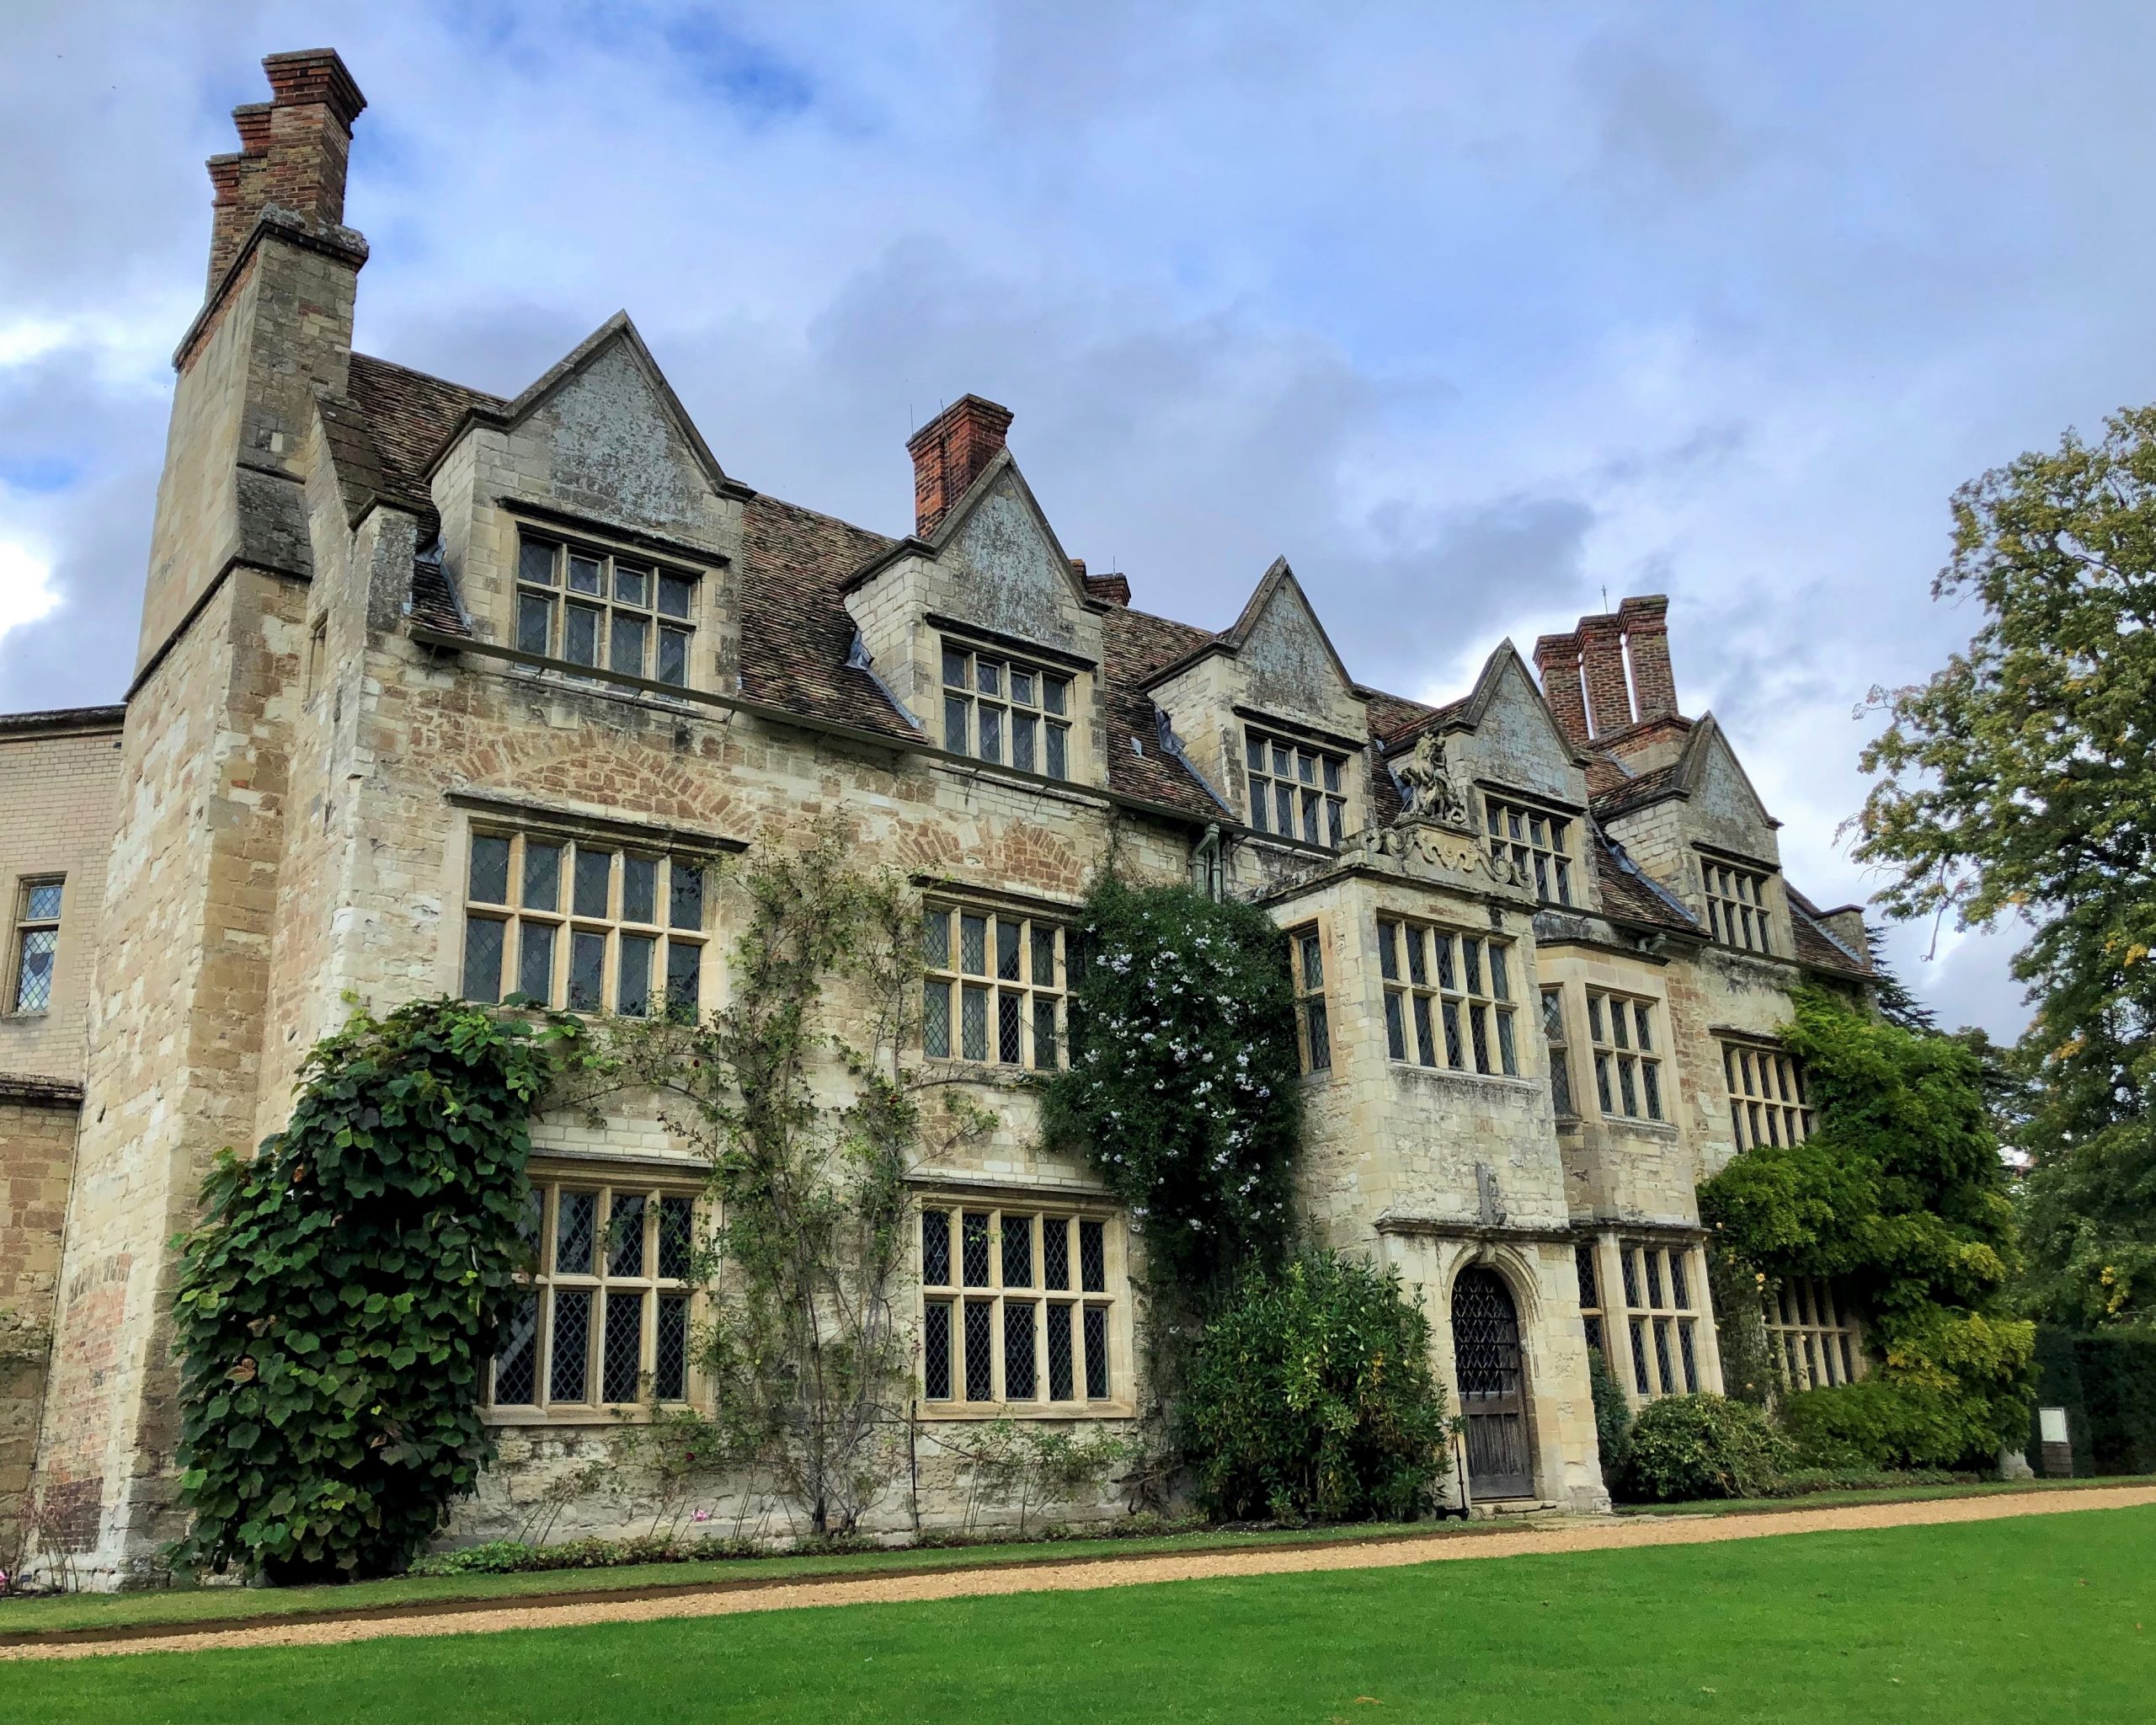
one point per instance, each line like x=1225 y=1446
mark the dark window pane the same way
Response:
x=1043 y=975
x=1312 y=953
x=1259 y=802
x=991 y=733
x=936 y=1020
x=936 y=939
x=621 y=1360
x=1646 y=1026
x=490 y=869
x=988 y=676
x=670 y=1365
x=1680 y=1290
x=587 y=971
x=1561 y=1081
x=1022 y=686
x=535 y=960
x=676 y=1236
x=1395 y=1031
x=1388 y=950
x=516 y=1357
x=1092 y=1257
x=954 y=668
x=1045 y=1055
x=640 y=889
x=1018 y=1242
x=972 y=945
x=1418 y=964
x=1056 y=692
x=1640 y=1357
x=684 y=902
x=1426 y=1042
x=1501 y=982
x=542 y=876
x=1456 y=1056
x=972 y=1027
x=1443 y=942
x=684 y=967
x=535 y=562
x=1018 y=1350
x=673 y=656
x=1478 y=1025
x=632 y=585
x=594 y=871
x=571 y=1344
x=1583 y=1268
x=1650 y=1076
x=1336 y=820
x=534 y=623
x=955 y=708
x=1055 y=1251
x=673 y=594
x=972 y=1238
x=580 y=635
x=1058 y=764
x=1691 y=1364
x=935 y=1247
x=632 y=988
x=1507 y=1056
x=1096 y=1353
x=1061 y=1385
x=1470 y=951
x=584 y=573
x=1007 y=945
x=628 y=644
x=1662 y=1353
x=935 y=1350
x=575 y=1221
x=1310 y=814
x=1024 y=728
x=981 y=1354
x=482 y=964
x=1653 y=1258
x=1283 y=810
x=1626 y=1089
x=41 y=902
x=1317 y=1037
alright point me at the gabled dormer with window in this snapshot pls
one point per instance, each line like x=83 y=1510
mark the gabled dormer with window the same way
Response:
x=1267 y=716
x=587 y=532
x=977 y=626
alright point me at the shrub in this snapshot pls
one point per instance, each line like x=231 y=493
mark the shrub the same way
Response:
x=1311 y=1396
x=342 y=1292
x=2105 y=1380
x=1686 y=1447
x=1613 y=1417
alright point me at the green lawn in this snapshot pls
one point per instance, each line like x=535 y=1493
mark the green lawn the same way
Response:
x=2021 y=1622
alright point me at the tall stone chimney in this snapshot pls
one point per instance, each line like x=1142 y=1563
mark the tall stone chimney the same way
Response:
x=1557 y=660
x=1585 y=674
x=1601 y=666
x=292 y=156
x=949 y=453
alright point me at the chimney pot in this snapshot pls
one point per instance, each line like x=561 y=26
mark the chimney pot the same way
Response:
x=1646 y=644
x=950 y=452
x=1115 y=589
x=293 y=151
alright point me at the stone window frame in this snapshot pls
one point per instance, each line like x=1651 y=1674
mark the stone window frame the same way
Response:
x=662 y=1281
x=1591 y=1308
x=1662 y=1313
x=1313 y=1018
x=35 y=928
x=1816 y=1343
x=1557 y=1041
x=674 y=951
x=1439 y=1014
x=552 y=600
x=1739 y=903
x=1095 y=1306
x=1312 y=779
x=1620 y=1031
x=1032 y=704
x=1767 y=1090
x=1536 y=841
x=946 y=1029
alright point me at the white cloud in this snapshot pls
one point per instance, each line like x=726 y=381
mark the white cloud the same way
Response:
x=25 y=591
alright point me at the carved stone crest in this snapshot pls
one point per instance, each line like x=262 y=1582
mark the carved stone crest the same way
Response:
x=1427 y=781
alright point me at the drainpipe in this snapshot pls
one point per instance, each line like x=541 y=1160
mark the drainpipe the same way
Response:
x=1208 y=858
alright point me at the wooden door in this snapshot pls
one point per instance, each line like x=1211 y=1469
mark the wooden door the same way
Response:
x=1493 y=1385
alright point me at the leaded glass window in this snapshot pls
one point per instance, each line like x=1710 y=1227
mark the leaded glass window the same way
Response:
x=1537 y=843
x=1627 y=1055
x=1737 y=906
x=994 y=987
x=1019 y=1306
x=37 y=943
x=1455 y=991
x=592 y=608
x=1768 y=1103
x=1002 y=709
x=1297 y=790
x=1809 y=1326
x=1661 y=1320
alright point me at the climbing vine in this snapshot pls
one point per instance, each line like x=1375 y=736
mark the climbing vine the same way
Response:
x=805 y=1348
x=340 y=1300
x=1899 y=1195
x=1182 y=1086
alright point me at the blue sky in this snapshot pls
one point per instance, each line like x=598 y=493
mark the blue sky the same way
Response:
x=1475 y=313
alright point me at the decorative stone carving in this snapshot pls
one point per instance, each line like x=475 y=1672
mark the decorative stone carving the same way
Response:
x=1427 y=781
x=1427 y=849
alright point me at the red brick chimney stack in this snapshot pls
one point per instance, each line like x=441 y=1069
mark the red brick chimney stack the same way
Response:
x=1557 y=660
x=1602 y=666
x=1595 y=654
x=1646 y=644
x=293 y=151
x=949 y=453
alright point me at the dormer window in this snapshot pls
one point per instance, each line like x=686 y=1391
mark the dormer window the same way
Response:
x=1297 y=790
x=1737 y=906
x=589 y=607
x=1001 y=709
x=1537 y=845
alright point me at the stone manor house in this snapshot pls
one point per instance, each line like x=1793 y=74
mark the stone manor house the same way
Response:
x=442 y=692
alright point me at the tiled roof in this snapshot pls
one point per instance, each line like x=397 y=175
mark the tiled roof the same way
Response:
x=433 y=600
x=796 y=632
x=1628 y=894
x=1815 y=944
x=1631 y=792
x=409 y=417
x=1136 y=645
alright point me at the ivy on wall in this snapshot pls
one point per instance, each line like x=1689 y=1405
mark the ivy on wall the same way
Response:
x=1899 y=1195
x=340 y=1300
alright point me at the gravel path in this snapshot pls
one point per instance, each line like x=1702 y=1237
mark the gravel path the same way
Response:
x=1583 y=1536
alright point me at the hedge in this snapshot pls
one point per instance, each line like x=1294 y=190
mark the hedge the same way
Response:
x=2105 y=1380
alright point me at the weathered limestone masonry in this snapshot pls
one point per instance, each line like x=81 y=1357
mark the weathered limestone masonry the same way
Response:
x=442 y=691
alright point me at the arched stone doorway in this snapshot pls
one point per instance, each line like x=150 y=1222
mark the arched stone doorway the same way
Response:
x=1487 y=1360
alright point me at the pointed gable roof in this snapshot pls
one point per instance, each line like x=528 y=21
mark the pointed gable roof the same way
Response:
x=1278 y=582
x=1706 y=746
x=1467 y=712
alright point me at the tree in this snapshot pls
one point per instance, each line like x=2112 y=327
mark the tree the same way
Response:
x=2020 y=782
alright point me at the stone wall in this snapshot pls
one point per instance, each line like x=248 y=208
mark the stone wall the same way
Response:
x=37 y=1155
